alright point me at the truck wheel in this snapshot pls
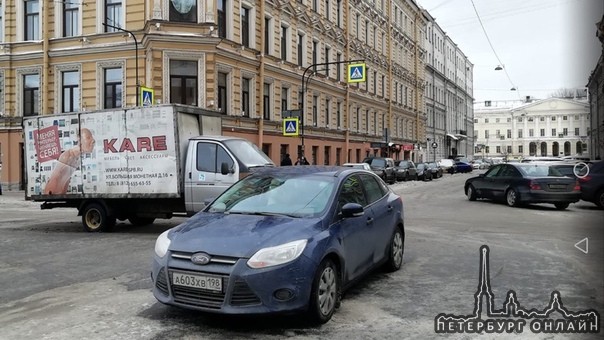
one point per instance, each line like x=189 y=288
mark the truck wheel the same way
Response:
x=138 y=221
x=95 y=218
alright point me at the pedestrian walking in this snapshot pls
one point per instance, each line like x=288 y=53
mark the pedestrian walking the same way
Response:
x=286 y=160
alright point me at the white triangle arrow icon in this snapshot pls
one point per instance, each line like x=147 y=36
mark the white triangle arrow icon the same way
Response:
x=290 y=127
x=578 y=245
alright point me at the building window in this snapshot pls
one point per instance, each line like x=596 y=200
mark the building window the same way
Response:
x=327 y=155
x=486 y=134
x=315 y=46
x=339 y=67
x=509 y=120
x=531 y=133
x=223 y=95
x=383 y=86
x=520 y=149
x=498 y=149
x=113 y=15
x=553 y=132
x=339 y=13
x=576 y=131
x=486 y=120
x=222 y=18
x=245 y=97
x=266 y=102
x=112 y=88
x=339 y=115
x=374 y=82
x=245 y=27
x=367 y=121
x=327 y=9
x=284 y=42
x=32 y=20
x=315 y=109
x=300 y=49
x=338 y=156
x=509 y=149
x=577 y=117
x=542 y=133
x=553 y=118
x=284 y=98
x=31 y=94
x=183 y=82
x=509 y=133
x=327 y=51
x=315 y=5
x=496 y=120
x=183 y=10
x=70 y=91
x=565 y=131
x=564 y=117
x=542 y=119
x=367 y=32
x=71 y=21
x=358 y=25
x=358 y=118
x=327 y=118
x=497 y=133
x=268 y=29
x=520 y=133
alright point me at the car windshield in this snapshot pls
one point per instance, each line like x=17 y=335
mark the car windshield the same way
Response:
x=378 y=162
x=420 y=166
x=248 y=153
x=538 y=170
x=271 y=194
x=402 y=164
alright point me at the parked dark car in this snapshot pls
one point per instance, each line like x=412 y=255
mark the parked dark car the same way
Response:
x=437 y=171
x=289 y=239
x=462 y=167
x=519 y=183
x=592 y=184
x=405 y=170
x=423 y=172
x=383 y=167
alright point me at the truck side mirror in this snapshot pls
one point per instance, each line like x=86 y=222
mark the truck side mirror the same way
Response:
x=224 y=169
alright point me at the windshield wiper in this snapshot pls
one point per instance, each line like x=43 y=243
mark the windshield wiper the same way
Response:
x=261 y=213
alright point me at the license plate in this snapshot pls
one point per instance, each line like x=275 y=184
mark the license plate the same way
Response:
x=206 y=282
x=557 y=186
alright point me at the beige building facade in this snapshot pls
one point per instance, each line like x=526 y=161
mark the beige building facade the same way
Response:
x=244 y=59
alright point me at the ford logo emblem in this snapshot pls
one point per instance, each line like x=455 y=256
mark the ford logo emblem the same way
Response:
x=201 y=258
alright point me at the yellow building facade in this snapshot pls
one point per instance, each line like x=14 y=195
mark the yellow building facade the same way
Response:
x=244 y=59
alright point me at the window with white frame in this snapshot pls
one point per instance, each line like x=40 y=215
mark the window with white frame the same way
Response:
x=222 y=8
x=301 y=48
x=31 y=94
x=268 y=35
x=183 y=10
x=284 y=98
x=245 y=96
x=246 y=28
x=223 y=92
x=285 y=42
x=339 y=115
x=327 y=109
x=113 y=87
x=183 y=82
x=315 y=110
x=266 y=102
x=71 y=19
x=327 y=52
x=114 y=15
x=31 y=20
x=70 y=91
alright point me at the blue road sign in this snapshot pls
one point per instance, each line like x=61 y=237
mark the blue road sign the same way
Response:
x=356 y=73
x=290 y=127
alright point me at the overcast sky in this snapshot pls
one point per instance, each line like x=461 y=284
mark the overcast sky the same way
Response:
x=544 y=45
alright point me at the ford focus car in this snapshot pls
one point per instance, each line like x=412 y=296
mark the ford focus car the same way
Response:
x=287 y=239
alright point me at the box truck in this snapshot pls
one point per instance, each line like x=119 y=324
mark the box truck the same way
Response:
x=137 y=164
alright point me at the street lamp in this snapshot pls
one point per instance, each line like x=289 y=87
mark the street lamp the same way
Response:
x=498 y=68
x=136 y=56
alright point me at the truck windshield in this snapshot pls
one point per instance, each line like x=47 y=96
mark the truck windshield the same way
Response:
x=248 y=153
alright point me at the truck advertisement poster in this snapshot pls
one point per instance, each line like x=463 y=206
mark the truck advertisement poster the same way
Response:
x=105 y=152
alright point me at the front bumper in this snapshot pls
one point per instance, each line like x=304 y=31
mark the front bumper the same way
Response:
x=244 y=290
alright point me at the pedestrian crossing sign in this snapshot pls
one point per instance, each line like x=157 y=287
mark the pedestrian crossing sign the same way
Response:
x=290 y=127
x=146 y=96
x=356 y=73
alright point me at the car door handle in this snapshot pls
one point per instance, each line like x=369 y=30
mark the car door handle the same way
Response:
x=369 y=221
x=389 y=208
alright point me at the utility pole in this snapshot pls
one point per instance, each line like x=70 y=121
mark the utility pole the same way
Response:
x=136 y=57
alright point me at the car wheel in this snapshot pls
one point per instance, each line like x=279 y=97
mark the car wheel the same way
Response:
x=471 y=193
x=138 y=221
x=396 y=252
x=96 y=219
x=561 y=206
x=512 y=198
x=325 y=293
x=600 y=199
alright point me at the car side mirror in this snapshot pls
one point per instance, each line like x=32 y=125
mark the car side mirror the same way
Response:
x=224 y=169
x=480 y=175
x=352 y=210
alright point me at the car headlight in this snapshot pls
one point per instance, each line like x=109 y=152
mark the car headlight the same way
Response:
x=162 y=243
x=272 y=256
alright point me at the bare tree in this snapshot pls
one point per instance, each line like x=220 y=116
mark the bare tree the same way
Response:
x=569 y=93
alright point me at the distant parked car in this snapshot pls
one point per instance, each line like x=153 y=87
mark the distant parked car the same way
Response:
x=462 y=167
x=447 y=165
x=518 y=183
x=592 y=185
x=479 y=164
x=383 y=167
x=436 y=170
x=540 y=159
x=423 y=172
x=363 y=166
x=405 y=170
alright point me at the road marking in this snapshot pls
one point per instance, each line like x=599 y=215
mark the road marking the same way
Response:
x=578 y=245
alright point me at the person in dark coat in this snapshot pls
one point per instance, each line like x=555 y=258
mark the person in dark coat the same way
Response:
x=302 y=161
x=286 y=160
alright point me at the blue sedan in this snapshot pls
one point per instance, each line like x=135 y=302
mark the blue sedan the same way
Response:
x=286 y=239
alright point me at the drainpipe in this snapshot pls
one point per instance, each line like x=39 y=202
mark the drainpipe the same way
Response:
x=347 y=113
x=44 y=90
x=261 y=79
